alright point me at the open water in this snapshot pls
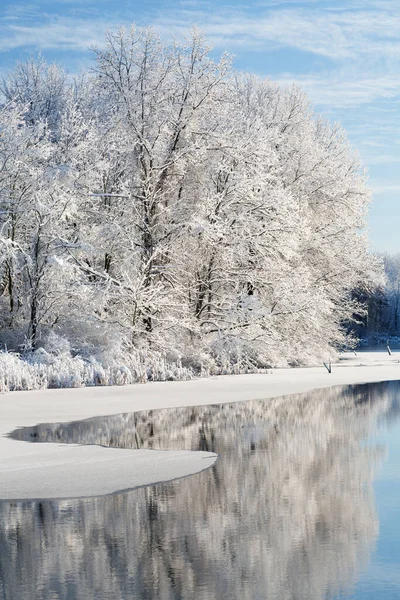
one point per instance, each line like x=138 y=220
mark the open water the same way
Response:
x=302 y=504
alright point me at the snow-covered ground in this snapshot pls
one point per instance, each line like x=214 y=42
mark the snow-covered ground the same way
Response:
x=64 y=471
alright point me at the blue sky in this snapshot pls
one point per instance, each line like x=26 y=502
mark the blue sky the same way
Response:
x=345 y=53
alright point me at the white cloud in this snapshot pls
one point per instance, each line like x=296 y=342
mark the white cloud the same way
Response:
x=384 y=159
x=334 y=34
x=339 y=90
x=384 y=188
x=338 y=34
x=372 y=143
x=63 y=33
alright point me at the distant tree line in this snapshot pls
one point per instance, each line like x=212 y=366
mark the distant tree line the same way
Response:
x=382 y=317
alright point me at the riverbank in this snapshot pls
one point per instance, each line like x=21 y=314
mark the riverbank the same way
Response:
x=67 y=471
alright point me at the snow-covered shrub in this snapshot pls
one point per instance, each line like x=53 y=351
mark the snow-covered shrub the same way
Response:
x=17 y=374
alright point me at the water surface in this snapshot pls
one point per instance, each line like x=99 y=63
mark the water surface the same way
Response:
x=303 y=504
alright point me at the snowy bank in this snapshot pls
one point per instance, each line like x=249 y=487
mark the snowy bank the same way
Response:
x=65 y=471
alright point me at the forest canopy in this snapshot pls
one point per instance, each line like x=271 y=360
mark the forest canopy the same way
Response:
x=163 y=215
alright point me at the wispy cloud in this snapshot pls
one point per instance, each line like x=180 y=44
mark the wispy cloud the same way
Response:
x=384 y=188
x=384 y=159
x=335 y=34
x=342 y=90
x=64 y=33
x=341 y=32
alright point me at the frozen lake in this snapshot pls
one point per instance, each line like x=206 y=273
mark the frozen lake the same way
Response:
x=302 y=504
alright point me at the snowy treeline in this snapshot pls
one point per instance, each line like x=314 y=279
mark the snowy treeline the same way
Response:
x=166 y=210
x=382 y=320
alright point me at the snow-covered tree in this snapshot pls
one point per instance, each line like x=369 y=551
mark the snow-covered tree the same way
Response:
x=165 y=205
x=41 y=88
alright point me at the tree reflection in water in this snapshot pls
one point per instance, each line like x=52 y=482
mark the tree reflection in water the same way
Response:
x=287 y=513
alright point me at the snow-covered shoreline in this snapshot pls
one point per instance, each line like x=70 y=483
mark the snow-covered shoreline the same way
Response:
x=67 y=471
